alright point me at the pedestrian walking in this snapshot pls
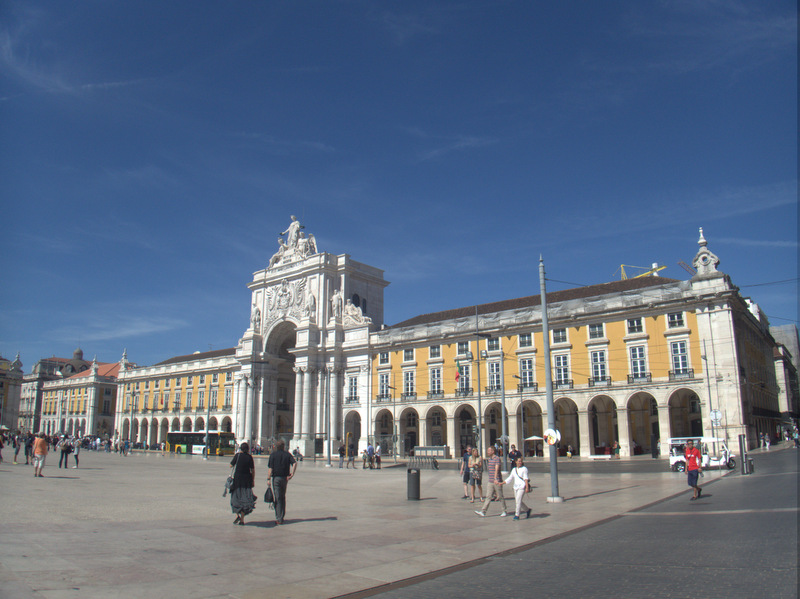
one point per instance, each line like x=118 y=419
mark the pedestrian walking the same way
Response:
x=342 y=451
x=281 y=469
x=522 y=485
x=464 y=470
x=475 y=475
x=351 y=456
x=40 y=449
x=693 y=468
x=76 y=450
x=17 y=441
x=28 y=448
x=378 y=456
x=65 y=447
x=243 y=501
x=495 y=483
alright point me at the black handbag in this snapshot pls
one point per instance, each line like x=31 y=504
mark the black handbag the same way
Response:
x=269 y=497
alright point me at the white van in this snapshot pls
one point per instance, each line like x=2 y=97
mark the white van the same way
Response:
x=677 y=453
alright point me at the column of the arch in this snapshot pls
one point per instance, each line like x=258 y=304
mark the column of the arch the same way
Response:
x=297 y=425
x=319 y=399
x=624 y=432
x=664 y=428
x=238 y=411
x=91 y=410
x=422 y=430
x=515 y=436
x=308 y=408
x=584 y=426
x=248 y=412
x=269 y=396
x=452 y=427
x=337 y=417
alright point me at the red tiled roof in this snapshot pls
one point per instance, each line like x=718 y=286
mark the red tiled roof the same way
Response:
x=103 y=369
x=536 y=300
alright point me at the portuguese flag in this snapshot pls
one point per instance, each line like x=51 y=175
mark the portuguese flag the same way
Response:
x=458 y=370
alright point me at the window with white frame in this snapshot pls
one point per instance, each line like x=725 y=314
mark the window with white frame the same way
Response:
x=228 y=396
x=598 y=364
x=189 y=381
x=635 y=325
x=436 y=418
x=638 y=361
x=201 y=399
x=178 y=382
x=177 y=399
x=215 y=377
x=411 y=419
x=526 y=372
x=525 y=340
x=409 y=388
x=559 y=335
x=383 y=385
x=561 y=362
x=675 y=320
x=680 y=357
x=214 y=395
x=436 y=351
x=494 y=375
x=383 y=357
x=408 y=355
x=146 y=385
x=436 y=380
x=352 y=388
x=188 y=399
x=202 y=379
x=463 y=348
x=464 y=377
x=596 y=331
x=493 y=344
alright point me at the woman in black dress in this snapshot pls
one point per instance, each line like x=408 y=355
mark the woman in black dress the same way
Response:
x=242 y=499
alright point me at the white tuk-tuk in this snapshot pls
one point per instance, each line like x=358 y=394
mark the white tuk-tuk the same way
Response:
x=677 y=453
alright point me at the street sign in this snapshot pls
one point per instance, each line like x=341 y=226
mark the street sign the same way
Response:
x=715 y=415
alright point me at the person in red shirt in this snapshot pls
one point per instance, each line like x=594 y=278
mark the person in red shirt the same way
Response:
x=694 y=461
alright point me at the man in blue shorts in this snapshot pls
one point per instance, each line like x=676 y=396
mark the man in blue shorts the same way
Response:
x=694 y=460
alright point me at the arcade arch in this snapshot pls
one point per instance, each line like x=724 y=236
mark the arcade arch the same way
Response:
x=435 y=427
x=467 y=423
x=352 y=429
x=409 y=431
x=529 y=421
x=685 y=419
x=643 y=424
x=566 y=417
x=603 y=430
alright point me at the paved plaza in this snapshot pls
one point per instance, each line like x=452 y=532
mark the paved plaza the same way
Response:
x=153 y=526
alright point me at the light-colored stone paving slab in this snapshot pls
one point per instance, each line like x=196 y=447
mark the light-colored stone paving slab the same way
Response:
x=153 y=526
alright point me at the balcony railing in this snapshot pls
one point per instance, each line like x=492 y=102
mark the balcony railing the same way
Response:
x=409 y=395
x=522 y=387
x=435 y=394
x=599 y=381
x=490 y=389
x=176 y=408
x=383 y=397
x=686 y=373
x=563 y=384
x=351 y=399
x=464 y=392
x=644 y=377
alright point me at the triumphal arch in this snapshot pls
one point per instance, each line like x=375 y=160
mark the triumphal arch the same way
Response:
x=310 y=319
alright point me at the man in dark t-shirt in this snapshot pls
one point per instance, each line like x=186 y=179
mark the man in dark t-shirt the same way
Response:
x=281 y=469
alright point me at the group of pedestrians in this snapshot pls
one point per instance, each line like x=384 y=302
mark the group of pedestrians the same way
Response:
x=281 y=468
x=471 y=471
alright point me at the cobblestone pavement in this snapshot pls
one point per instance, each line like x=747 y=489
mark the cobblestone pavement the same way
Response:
x=738 y=540
x=153 y=526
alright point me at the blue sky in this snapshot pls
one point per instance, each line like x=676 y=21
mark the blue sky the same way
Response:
x=150 y=152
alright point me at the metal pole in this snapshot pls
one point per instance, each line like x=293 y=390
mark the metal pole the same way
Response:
x=503 y=410
x=478 y=365
x=551 y=415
